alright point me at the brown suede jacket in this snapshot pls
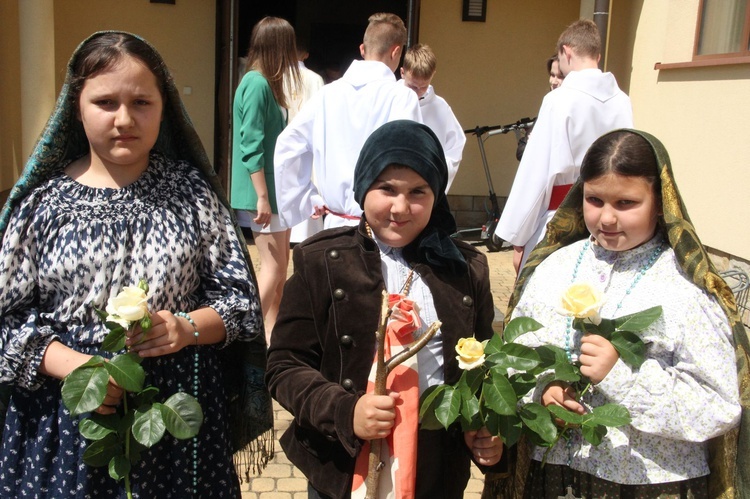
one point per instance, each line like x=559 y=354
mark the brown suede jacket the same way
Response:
x=323 y=344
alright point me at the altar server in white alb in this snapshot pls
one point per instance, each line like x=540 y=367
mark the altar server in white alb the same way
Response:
x=417 y=72
x=587 y=105
x=298 y=95
x=328 y=133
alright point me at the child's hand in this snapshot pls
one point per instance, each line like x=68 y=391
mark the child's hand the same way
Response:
x=562 y=394
x=168 y=334
x=597 y=358
x=487 y=449
x=374 y=415
x=112 y=399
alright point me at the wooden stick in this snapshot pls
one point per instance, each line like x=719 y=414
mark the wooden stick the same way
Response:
x=384 y=368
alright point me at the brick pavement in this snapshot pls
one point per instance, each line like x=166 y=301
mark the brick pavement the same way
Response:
x=281 y=480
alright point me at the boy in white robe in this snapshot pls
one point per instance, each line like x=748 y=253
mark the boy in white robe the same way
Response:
x=587 y=105
x=311 y=83
x=328 y=133
x=417 y=72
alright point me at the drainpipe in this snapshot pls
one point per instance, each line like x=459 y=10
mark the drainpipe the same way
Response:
x=601 y=19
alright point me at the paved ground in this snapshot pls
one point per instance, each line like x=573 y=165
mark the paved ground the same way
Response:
x=281 y=480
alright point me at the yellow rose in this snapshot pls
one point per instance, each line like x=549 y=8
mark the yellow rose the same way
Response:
x=470 y=353
x=583 y=301
x=129 y=304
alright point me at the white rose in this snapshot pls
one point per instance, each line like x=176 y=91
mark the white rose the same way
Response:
x=470 y=353
x=129 y=304
x=582 y=301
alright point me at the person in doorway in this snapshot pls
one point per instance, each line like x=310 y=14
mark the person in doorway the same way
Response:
x=259 y=116
x=587 y=104
x=328 y=133
x=417 y=72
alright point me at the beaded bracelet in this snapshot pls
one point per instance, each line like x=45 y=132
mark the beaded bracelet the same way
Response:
x=192 y=323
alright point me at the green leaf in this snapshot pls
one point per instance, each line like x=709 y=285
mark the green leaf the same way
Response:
x=182 y=415
x=515 y=356
x=143 y=284
x=145 y=396
x=127 y=372
x=99 y=453
x=493 y=346
x=631 y=348
x=498 y=394
x=519 y=326
x=566 y=415
x=148 y=426
x=549 y=356
x=566 y=371
x=448 y=409
x=429 y=401
x=101 y=314
x=119 y=467
x=469 y=414
x=98 y=426
x=522 y=383
x=470 y=382
x=84 y=388
x=508 y=428
x=594 y=433
x=115 y=339
x=538 y=419
x=610 y=415
x=638 y=321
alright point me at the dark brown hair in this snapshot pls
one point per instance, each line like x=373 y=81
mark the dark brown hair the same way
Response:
x=103 y=52
x=273 y=53
x=624 y=153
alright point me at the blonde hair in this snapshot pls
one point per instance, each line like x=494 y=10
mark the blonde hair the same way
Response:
x=273 y=53
x=420 y=61
x=583 y=38
x=383 y=32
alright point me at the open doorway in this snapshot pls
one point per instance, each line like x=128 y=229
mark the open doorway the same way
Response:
x=331 y=29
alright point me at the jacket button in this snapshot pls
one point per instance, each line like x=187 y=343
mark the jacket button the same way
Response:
x=467 y=301
x=348 y=384
x=334 y=254
x=339 y=294
x=330 y=438
x=346 y=340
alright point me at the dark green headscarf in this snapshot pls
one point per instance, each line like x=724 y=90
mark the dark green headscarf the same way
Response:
x=729 y=454
x=412 y=144
x=64 y=140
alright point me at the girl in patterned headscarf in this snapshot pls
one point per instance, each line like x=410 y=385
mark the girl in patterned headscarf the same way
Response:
x=119 y=189
x=624 y=230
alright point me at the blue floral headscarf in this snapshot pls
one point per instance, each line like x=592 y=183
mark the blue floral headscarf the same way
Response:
x=64 y=140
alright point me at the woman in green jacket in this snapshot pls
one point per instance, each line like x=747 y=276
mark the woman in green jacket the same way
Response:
x=259 y=117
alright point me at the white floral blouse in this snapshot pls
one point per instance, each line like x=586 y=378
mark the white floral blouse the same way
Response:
x=684 y=393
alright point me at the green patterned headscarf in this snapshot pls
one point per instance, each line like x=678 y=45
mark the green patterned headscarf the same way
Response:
x=729 y=454
x=62 y=141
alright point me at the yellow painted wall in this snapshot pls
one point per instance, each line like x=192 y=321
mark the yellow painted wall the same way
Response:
x=493 y=73
x=12 y=157
x=184 y=34
x=703 y=117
